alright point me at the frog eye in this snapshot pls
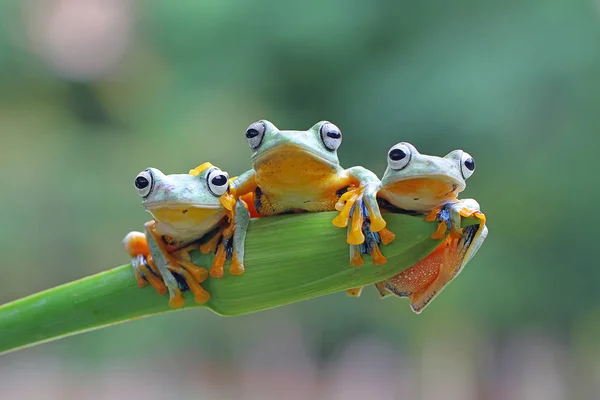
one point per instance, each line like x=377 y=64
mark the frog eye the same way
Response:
x=255 y=134
x=399 y=156
x=331 y=136
x=218 y=181
x=467 y=165
x=143 y=183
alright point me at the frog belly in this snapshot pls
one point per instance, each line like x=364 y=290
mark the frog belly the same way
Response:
x=293 y=184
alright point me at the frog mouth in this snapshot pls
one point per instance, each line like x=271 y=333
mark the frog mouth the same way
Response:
x=184 y=214
x=290 y=148
x=175 y=206
x=439 y=181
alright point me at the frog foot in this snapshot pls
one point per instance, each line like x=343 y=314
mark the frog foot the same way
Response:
x=216 y=270
x=382 y=290
x=354 y=292
x=201 y=296
x=136 y=245
x=356 y=259
x=433 y=215
x=344 y=206
x=425 y=280
x=237 y=267
x=376 y=256
x=386 y=236
x=355 y=235
x=211 y=245
x=167 y=264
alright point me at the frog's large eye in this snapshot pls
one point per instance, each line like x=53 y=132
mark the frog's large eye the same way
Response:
x=467 y=165
x=143 y=183
x=399 y=156
x=255 y=134
x=218 y=182
x=331 y=136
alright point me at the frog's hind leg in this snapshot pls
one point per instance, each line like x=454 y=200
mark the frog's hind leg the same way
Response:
x=216 y=270
x=425 y=280
x=136 y=245
x=213 y=242
x=163 y=262
x=201 y=296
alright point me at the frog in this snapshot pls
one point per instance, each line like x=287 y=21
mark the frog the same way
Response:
x=186 y=208
x=428 y=185
x=299 y=171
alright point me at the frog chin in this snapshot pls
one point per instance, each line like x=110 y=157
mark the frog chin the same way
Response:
x=186 y=221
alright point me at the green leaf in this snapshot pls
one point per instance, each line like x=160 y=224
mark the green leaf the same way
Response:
x=288 y=259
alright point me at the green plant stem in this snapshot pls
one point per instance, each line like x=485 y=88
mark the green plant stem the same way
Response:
x=288 y=259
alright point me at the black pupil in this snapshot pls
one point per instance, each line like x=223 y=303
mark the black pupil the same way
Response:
x=251 y=133
x=397 y=155
x=334 y=134
x=219 y=180
x=470 y=164
x=141 y=182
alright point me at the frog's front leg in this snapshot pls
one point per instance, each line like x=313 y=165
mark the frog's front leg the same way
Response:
x=241 y=222
x=368 y=185
x=449 y=217
x=166 y=263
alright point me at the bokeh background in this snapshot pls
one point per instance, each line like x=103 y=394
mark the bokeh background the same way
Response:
x=94 y=91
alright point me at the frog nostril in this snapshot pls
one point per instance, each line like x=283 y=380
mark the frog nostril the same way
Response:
x=141 y=182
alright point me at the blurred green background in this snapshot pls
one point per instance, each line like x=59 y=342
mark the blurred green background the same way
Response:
x=94 y=91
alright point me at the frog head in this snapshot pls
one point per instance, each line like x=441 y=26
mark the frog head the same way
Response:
x=183 y=204
x=419 y=182
x=292 y=152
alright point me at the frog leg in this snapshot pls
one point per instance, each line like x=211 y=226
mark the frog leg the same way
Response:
x=241 y=222
x=425 y=280
x=243 y=184
x=434 y=214
x=344 y=205
x=370 y=199
x=201 y=296
x=356 y=235
x=164 y=263
x=182 y=257
x=356 y=259
x=145 y=271
x=216 y=270
x=212 y=244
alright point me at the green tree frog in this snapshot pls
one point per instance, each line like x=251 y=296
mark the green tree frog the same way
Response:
x=429 y=185
x=296 y=171
x=185 y=208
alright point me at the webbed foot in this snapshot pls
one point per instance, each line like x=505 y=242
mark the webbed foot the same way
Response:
x=167 y=264
x=425 y=280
